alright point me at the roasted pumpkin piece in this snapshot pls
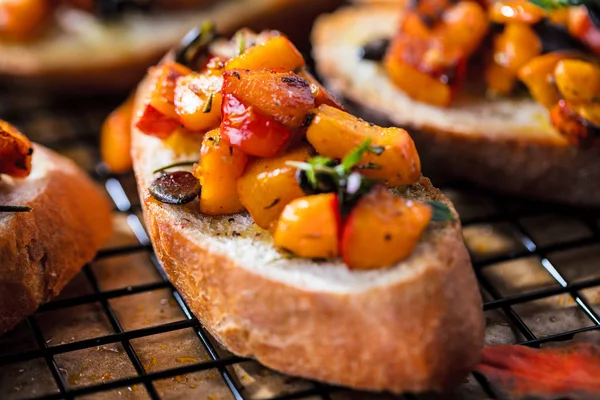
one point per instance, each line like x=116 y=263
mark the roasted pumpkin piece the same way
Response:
x=115 y=138
x=382 y=229
x=578 y=81
x=162 y=93
x=152 y=122
x=275 y=52
x=463 y=26
x=283 y=96
x=537 y=75
x=220 y=167
x=335 y=133
x=319 y=92
x=590 y=112
x=250 y=131
x=15 y=151
x=198 y=101
x=506 y=11
x=498 y=79
x=310 y=226
x=516 y=46
x=268 y=185
x=20 y=19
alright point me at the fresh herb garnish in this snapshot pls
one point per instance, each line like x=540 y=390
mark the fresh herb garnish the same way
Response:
x=441 y=212
x=174 y=165
x=208 y=104
x=240 y=39
x=15 y=209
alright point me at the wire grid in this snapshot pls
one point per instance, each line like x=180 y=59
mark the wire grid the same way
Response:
x=76 y=113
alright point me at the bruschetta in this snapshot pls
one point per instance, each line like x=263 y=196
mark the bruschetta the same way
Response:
x=106 y=45
x=53 y=219
x=297 y=233
x=501 y=93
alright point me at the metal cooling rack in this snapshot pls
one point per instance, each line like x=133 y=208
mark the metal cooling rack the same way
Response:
x=71 y=125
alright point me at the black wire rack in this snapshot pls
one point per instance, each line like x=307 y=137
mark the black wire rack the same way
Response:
x=71 y=126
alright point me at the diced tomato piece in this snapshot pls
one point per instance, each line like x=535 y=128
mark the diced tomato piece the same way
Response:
x=282 y=96
x=581 y=26
x=152 y=122
x=250 y=131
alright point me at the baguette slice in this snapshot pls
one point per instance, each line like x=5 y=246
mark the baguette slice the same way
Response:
x=41 y=251
x=416 y=326
x=82 y=54
x=505 y=145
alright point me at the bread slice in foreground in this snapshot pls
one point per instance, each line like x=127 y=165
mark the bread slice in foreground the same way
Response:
x=40 y=251
x=87 y=55
x=416 y=326
x=506 y=145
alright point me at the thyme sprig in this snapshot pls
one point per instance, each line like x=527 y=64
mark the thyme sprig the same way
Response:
x=175 y=165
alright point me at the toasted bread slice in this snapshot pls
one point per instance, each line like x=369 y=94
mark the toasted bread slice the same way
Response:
x=505 y=144
x=416 y=326
x=81 y=53
x=40 y=251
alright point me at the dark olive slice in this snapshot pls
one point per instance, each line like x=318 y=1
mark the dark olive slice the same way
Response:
x=556 y=37
x=179 y=187
x=375 y=50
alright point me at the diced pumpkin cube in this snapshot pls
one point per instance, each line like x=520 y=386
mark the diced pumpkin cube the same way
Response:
x=537 y=75
x=463 y=26
x=115 y=138
x=505 y=11
x=198 y=101
x=499 y=80
x=162 y=92
x=516 y=46
x=320 y=93
x=283 y=96
x=220 y=167
x=335 y=133
x=21 y=19
x=310 y=226
x=276 y=52
x=578 y=81
x=250 y=131
x=268 y=185
x=382 y=229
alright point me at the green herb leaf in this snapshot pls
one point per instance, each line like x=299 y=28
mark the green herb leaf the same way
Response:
x=240 y=39
x=174 y=165
x=441 y=212
x=353 y=158
x=208 y=105
x=15 y=209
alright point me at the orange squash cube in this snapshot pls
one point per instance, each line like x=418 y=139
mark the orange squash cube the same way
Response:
x=15 y=151
x=382 y=229
x=310 y=226
x=276 y=52
x=335 y=133
x=220 y=167
x=21 y=19
x=198 y=101
x=268 y=185
x=162 y=92
x=115 y=138
x=516 y=46
x=578 y=81
x=506 y=11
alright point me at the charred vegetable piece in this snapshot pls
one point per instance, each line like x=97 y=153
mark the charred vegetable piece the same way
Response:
x=321 y=95
x=578 y=81
x=335 y=133
x=250 y=131
x=310 y=226
x=268 y=185
x=14 y=209
x=179 y=187
x=576 y=129
x=382 y=230
x=220 y=167
x=283 y=96
x=20 y=19
x=506 y=11
x=115 y=139
x=538 y=75
x=276 y=52
x=198 y=101
x=164 y=80
x=15 y=152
